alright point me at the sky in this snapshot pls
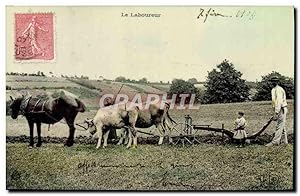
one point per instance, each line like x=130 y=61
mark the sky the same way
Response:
x=98 y=41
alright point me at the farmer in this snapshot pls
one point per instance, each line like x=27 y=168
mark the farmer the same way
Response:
x=240 y=133
x=280 y=110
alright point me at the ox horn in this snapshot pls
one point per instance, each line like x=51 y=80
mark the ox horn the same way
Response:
x=11 y=98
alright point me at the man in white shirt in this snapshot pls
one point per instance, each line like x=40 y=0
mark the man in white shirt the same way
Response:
x=280 y=109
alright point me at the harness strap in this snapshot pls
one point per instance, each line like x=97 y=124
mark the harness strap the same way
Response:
x=42 y=109
x=43 y=105
x=38 y=101
x=24 y=104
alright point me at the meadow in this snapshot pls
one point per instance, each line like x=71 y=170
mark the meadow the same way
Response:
x=205 y=166
x=150 y=167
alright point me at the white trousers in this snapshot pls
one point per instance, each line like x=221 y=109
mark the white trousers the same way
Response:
x=280 y=127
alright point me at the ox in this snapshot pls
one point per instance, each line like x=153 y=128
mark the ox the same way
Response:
x=157 y=115
x=114 y=117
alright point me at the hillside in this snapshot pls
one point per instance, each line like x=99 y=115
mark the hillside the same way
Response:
x=89 y=91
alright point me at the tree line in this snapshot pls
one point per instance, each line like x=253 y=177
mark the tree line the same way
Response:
x=224 y=84
x=39 y=73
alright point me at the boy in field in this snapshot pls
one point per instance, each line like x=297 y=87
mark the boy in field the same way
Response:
x=239 y=127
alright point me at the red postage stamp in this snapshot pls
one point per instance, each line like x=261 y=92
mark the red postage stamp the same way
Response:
x=34 y=36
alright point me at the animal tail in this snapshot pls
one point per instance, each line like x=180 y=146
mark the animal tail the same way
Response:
x=168 y=115
x=166 y=125
x=81 y=107
x=72 y=101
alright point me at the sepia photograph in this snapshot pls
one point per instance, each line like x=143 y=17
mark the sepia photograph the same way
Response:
x=150 y=98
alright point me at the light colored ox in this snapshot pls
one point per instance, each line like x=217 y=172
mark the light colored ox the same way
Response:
x=114 y=117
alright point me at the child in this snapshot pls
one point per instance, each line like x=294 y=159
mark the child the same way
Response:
x=240 y=133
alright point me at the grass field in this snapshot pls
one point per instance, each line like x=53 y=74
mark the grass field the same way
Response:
x=150 y=167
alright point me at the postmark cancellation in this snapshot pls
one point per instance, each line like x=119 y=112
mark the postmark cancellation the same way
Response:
x=34 y=37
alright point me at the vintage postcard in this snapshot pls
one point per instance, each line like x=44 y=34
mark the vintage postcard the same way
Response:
x=140 y=98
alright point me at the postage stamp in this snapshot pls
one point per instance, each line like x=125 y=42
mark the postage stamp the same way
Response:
x=34 y=36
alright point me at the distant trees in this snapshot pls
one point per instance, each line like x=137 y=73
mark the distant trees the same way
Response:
x=180 y=86
x=39 y=73
x=225 y=85
x=120 y=79
x=193 y=80
x=123 y=79
x=143 y=80
x=264 y=87
x=84 y=77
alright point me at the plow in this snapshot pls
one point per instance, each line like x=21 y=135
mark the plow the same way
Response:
x=186 y=133
x=181 y=134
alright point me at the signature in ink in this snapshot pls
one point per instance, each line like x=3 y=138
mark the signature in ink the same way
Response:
x=87 y=166
x=210 y=12
x=240 y=14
